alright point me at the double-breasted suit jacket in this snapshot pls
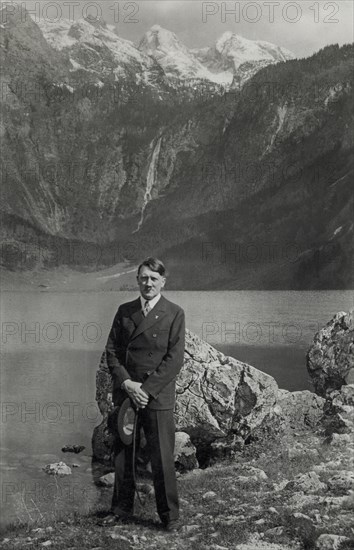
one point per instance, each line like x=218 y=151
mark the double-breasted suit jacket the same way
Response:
x=148 y=350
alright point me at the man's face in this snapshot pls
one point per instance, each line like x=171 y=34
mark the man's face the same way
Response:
x=150 y=282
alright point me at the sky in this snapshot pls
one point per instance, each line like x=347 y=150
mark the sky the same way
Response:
x=303 y=27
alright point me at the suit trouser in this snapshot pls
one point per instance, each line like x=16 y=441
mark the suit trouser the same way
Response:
x=159 y=429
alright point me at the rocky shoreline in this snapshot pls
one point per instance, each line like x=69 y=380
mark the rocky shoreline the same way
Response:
x=259 y=468
x=226 y=409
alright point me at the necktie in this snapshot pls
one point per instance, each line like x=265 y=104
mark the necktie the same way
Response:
x=146 y=308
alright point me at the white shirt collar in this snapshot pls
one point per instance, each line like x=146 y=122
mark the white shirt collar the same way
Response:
x=152 y=303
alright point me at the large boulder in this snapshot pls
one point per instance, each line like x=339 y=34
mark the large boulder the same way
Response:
x=330 y=363
x=338 y=411
x=299 y=409
x=220 y=402
x=330 y=360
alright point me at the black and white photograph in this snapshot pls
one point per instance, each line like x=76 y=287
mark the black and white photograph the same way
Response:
x=177 y=283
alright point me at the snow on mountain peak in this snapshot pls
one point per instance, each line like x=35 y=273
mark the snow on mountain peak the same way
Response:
x=233 y=50
x=91 y=36
x=225 y=37
x=175 y=58
x=156 y=28
x=240 y=50
x=95 y=47
x=160 y=39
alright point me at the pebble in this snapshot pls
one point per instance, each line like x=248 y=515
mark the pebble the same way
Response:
x=107 y=480
x=330 y=542
x=57 y=469
x=189 y=528
x=209 y=495
x=276 y=531
x=117 y=536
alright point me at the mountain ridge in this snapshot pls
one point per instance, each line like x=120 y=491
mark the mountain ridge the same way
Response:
x=161 y=46
x=165 y=170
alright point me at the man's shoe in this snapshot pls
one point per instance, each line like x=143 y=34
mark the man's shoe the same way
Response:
x=173 y=526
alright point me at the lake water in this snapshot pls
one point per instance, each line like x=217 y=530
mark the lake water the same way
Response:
x=51 y=346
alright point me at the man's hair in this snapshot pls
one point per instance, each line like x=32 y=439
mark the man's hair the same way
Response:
x=154 y=264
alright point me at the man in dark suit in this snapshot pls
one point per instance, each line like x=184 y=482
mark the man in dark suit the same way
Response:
x=145 y=351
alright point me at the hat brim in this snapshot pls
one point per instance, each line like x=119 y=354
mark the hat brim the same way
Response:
x=125 y=422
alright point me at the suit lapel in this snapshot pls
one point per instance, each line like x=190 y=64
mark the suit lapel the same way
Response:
x=136 y=314
x=153 y=317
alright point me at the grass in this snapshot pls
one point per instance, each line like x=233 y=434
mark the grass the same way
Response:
x=240 y=508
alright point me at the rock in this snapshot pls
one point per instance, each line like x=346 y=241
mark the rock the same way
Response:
x=299 y=515
x=223 y=403
x=226 y=447
x=217 y=398
x=303 y=526
x=190 y=528
x=227 y=521
x=330 y=542
x=117 y=536
x=107 y=480
x=341 y=439
x=308 y=483
x=73 y=449
x=185 y=453
x=146 y=489
x=209 y=495
x=299 y=450
x=57 y=469
x=251 y=474
x=300 y=408
x=338 y=413
x=254 y=543
x=330 y=360
x=275 y=531
x=343 y=481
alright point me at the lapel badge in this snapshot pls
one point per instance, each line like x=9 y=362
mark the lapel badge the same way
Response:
x=156 y=316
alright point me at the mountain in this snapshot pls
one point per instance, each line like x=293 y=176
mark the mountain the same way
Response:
x=96 y=53
x=240 y=57
x=94 y=47
x=175 y=58
x=232 y=50
x=247 y=188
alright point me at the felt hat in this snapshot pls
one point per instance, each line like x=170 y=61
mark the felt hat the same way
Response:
x=126 y=421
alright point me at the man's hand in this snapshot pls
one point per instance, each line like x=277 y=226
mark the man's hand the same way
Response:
x=139 y=397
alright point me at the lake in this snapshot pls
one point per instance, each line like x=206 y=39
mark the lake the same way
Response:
x=51 y=346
